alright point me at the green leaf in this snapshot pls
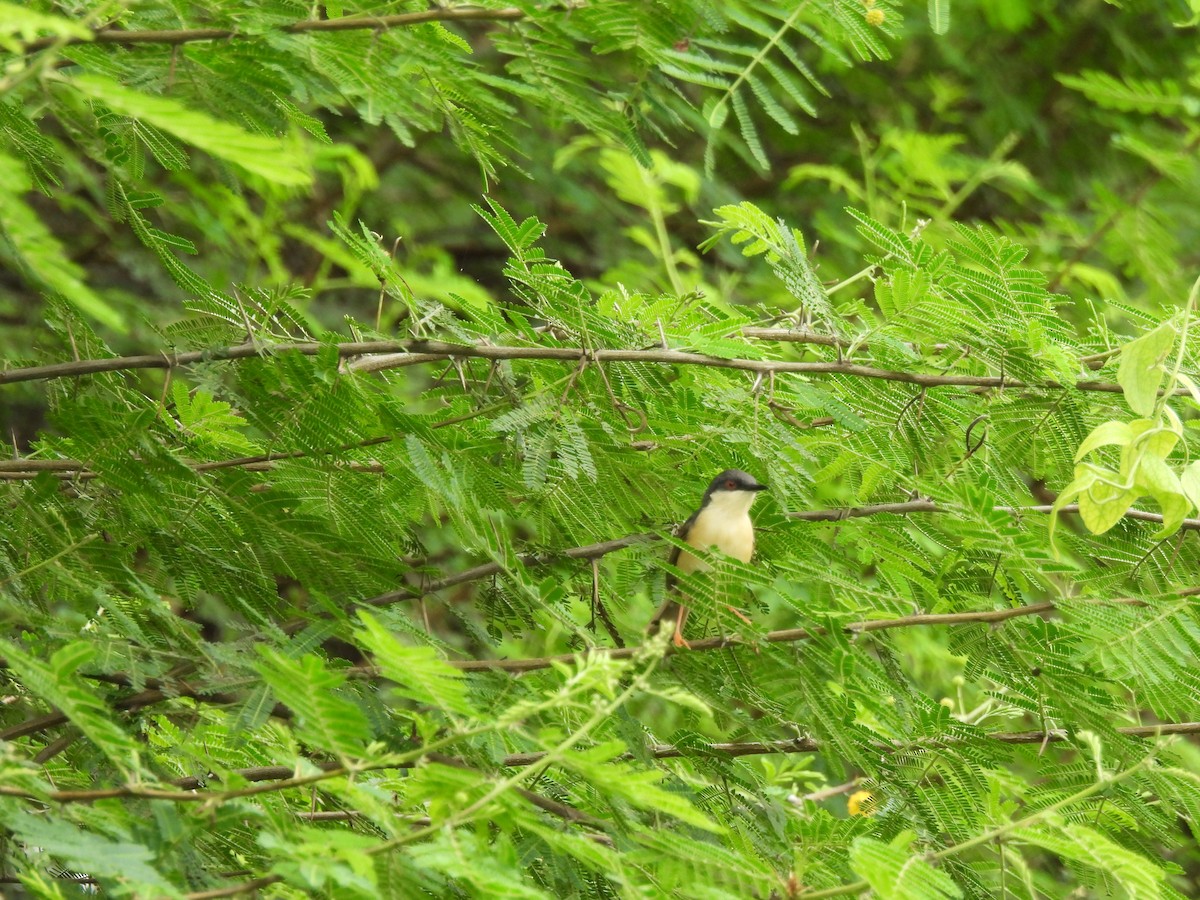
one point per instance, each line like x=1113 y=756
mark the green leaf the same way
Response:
x=1135 y=873
x=1157 y=479
x=718 y=114
x=324 y=860
x=641 y=789
x=939 y=16
x=57 y=682
x=1164 y=98
x=269 y=158
x=1192 y=388
x=896 y=244
x=1149 y=437
x=38 y=254
x=1189 y=481
x=1103 y=504
x=896 y=873
x=1110 y=433
x=1141 y=370
x=418 y=673
x=211 y=421
x=483 y=867
x=1085 y=477
x=18 y=21
x=130 y=865
x=325 y=719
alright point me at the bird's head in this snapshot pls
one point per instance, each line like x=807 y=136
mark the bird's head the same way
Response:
x=733 y=489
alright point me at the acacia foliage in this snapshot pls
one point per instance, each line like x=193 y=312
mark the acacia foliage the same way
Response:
x=250 y=600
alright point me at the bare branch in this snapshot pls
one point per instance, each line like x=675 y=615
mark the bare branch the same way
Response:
x=176 y=36
x=381 y=355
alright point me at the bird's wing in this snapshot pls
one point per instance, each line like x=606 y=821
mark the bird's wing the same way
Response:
x=682 y=533
x=670 y=610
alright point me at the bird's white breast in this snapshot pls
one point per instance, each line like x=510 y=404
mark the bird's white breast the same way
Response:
x=725 y=524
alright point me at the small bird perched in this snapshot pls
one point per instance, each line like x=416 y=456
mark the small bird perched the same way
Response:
x=723 y=522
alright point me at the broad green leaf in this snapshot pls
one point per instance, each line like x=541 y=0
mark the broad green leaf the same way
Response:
x=417 y=673
x=1160 y=443
x=1103 y=504
x=272 y=159
x=1159 y=480
x=1192 y=388
x=1189 y=481
x=1085 y=477
x=1140 y=372
x=1110 y=433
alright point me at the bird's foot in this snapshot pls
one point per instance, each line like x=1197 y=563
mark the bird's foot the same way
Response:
x=741 y=615
x=679 y=641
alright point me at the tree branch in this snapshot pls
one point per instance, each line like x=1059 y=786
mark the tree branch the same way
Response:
x=788 y=635
x=284 y=776
x=178 y=36
x=156 y=692
x=381 y=355
x=791 y=336
x=487 y=570
x=929 y=506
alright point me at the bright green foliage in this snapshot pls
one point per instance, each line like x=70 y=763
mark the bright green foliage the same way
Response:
x=303 y=544
x=1105 y=495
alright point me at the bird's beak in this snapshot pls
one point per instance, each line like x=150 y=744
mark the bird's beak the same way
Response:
x=758 y=487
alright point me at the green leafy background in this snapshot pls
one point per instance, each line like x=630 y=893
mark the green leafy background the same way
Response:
x=358 y=361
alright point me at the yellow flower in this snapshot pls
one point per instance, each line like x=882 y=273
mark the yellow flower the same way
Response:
x=875 y=17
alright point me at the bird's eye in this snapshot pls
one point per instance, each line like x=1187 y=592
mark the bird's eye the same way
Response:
x=730 y=484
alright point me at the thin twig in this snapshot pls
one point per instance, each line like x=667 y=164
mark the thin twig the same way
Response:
x=346 y=23
x=928 y=506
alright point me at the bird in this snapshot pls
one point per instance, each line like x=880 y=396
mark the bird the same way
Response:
x=722 y=521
